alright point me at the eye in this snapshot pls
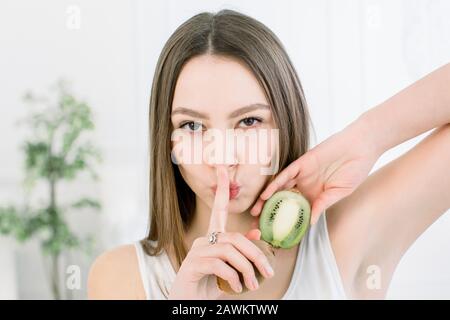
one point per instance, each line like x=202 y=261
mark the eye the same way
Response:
x=248 y=122
x=191 y=126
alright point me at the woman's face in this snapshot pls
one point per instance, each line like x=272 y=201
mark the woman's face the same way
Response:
x=221 y=116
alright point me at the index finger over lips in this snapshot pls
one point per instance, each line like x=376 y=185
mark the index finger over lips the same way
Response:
x=219 y=211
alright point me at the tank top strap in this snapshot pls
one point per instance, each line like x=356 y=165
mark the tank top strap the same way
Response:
x=157 y=273
x=319 y=276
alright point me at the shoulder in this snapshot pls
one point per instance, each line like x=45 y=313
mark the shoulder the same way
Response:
x=115 y=275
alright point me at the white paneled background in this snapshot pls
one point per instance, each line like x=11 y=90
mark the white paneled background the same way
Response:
x=350 y=55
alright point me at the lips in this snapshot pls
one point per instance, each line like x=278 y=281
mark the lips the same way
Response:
x=234 y=190
x=234 y=193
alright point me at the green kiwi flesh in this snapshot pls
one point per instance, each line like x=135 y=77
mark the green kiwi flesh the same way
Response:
x=285 y=218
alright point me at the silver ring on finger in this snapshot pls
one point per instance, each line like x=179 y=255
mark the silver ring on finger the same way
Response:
x=212 y=239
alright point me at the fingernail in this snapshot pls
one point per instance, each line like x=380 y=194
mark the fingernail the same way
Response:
x=268 y=268
x=255 y=283
x=238 y=288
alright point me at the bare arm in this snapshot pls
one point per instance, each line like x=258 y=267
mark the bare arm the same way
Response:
x=422 y=106
x=379 y=221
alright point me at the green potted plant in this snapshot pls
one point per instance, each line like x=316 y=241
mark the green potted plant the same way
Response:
x=57 y=151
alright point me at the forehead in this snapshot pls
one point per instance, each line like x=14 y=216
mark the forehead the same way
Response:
x=211 y=82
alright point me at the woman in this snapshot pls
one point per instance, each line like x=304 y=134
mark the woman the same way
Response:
x=228 y=71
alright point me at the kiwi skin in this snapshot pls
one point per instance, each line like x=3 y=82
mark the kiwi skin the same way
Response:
x=293 y=238
x=269 y=252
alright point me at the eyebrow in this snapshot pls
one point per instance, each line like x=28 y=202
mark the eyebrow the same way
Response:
x=234 y=114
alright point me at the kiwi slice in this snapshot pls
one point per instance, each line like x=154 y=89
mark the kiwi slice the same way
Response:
x=283 y=222
x=267 y=249
x=285 y=218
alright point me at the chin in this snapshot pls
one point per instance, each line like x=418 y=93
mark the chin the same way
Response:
x=238 y=205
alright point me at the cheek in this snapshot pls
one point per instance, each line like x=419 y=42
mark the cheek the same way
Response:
x=273 y=142
x=257 y=147
x=253 y=181
x=189 y=172
x=195 y=177
x=186 y=149
x=268 y=147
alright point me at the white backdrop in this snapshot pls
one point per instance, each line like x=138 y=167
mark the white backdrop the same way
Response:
x=350 y=55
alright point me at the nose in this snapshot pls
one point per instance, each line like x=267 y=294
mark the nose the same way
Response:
x=229 y=168
x=229 y=161
x=220 y=149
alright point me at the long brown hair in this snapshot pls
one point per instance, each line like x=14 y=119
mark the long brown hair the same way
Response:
x=235 y=35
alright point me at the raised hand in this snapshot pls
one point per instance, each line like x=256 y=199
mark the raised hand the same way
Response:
x=196 y=278
x=327 y=173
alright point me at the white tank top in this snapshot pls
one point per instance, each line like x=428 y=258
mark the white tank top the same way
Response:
x=316 y=275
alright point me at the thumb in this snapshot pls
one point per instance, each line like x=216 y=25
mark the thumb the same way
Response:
x=325 y=200
x=253 y=234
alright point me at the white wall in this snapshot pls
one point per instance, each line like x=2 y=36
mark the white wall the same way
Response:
x=350 y=55
x=100 y=60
